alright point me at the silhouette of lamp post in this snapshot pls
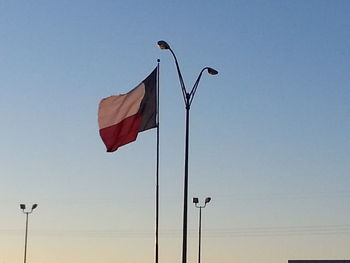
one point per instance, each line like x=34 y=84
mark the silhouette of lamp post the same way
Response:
x=188 y=98
x=23 y=207
x=196 y=201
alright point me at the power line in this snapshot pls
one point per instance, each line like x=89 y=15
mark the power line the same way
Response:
x=310 y=230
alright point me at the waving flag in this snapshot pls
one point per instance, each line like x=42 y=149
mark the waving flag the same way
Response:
x=122 y=117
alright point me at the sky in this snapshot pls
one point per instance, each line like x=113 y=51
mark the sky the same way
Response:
x=269 y=135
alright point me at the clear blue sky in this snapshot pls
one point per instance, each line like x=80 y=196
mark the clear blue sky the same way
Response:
x=270 y=135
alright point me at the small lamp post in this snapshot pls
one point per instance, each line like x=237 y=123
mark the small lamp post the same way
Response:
x=23 y=208
x=196 y=202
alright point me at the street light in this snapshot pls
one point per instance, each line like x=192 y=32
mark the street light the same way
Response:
x=23 y=207
x=195 y=201
x=188 y=97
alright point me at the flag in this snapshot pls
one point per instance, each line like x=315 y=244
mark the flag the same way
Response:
x=122 y=117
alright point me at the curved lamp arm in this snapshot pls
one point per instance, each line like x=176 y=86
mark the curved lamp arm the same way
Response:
x=211 y=71
x=164 y=45
x=183 y=88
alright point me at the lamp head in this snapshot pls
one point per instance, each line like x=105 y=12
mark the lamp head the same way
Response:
x=22 y=206
x=34 y=206
x=195 y=200
x=207 y=200
x=212 y=71
x=163 y=45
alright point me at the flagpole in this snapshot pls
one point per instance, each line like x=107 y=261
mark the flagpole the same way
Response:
x=157 y=168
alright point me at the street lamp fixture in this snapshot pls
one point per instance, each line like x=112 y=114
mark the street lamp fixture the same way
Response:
x=188 y=98
x=163 y=45
x=207 y=200
x=212 y=71
x=23 y=207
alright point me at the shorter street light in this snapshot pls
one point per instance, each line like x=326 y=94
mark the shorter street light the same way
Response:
x=23 y=208
x=196 y=202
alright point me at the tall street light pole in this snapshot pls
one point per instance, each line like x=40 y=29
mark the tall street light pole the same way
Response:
x=23 y=207
x=188 y=98
x=195 y=201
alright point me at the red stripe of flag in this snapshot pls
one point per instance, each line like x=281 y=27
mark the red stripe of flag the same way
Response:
x=122 y=117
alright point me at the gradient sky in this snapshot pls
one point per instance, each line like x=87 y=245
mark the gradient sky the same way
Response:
x=270 y=135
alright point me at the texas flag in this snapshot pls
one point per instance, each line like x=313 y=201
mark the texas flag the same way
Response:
x=122 y=117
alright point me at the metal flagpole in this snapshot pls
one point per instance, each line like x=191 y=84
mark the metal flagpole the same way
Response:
x=157 y=169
